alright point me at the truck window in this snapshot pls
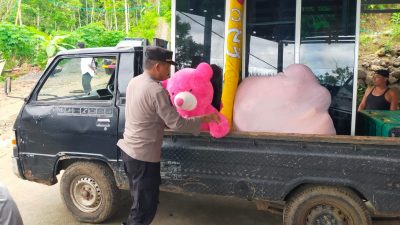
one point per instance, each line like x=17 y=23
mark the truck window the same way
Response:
x=86 y=78
x=126 y=71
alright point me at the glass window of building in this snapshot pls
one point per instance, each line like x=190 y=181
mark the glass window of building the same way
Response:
x=200 y=27
x=327 y=47
x=270 y=32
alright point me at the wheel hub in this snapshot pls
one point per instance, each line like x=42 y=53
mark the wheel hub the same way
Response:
x=86 y=194
x=326 y=215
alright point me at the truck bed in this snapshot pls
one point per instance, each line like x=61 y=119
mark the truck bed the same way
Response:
x=271 y=166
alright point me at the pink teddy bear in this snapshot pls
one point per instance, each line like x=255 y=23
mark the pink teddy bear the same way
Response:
x=191 y=92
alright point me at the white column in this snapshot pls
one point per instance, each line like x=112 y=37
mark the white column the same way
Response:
x=355 y=78
x=297 y=32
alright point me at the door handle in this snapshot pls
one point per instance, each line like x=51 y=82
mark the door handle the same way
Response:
x=103 y=120
x=103 y=123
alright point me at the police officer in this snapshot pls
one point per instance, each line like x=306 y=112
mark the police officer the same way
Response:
x=148 y=111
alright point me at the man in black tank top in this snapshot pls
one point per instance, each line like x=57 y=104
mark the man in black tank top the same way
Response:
x=380 y=96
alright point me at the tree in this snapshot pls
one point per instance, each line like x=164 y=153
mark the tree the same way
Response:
x=58 y=24
x=18 y=18
x=188 y=52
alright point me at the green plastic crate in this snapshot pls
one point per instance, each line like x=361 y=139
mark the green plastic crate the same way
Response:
x=379 y=123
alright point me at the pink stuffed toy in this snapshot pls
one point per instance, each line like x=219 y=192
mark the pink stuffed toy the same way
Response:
x=191 y=92
x=290 y=102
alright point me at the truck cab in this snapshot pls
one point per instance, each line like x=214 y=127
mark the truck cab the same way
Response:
x=59 y=116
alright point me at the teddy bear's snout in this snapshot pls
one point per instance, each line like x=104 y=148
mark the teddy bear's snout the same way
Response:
x=185 y=100
x=179 y=101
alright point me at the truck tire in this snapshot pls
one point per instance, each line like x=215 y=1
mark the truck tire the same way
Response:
x=323 y=205
x=89 y=191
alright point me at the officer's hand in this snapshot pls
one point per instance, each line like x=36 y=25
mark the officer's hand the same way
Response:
x=213 y=117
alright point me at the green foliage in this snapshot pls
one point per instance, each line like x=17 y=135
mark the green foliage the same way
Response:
x=376 y=6
x=165 y=10
x=360 y=93
x=41 y=58
x=72 y=39
x=326 y=79
x=54 y=25
x=111 y=38
x=365 y=39
x=48 y=16
x=338 y=77
x=395 y=18
x=17 y=44
x=314 y=24
x=47 y=45
x=396 y=32
x=343 y=74
x=146 y=25
x=95 y=35
x=387 y=46
x=91 y=34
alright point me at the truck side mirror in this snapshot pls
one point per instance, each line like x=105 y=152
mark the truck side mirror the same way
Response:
x=7 y=86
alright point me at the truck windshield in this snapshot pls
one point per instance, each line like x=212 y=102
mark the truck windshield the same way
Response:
x=89 y=78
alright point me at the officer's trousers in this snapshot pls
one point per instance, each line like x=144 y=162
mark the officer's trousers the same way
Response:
x=144 y=181
x=86 y=79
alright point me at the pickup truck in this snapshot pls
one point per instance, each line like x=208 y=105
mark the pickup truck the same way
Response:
x=309 y=179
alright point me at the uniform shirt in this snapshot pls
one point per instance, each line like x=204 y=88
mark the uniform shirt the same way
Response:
x=86 y=66
x=148 y=110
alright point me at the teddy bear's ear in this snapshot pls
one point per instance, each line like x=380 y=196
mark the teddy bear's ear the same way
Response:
x=204 y=70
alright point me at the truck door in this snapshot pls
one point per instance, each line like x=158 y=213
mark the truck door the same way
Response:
x=70 y=113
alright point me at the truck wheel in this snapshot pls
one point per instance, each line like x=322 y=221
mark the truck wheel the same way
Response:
x=325 y=206
x=89 y=191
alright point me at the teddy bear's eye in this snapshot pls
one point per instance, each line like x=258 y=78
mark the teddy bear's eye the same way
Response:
x=173 y=93
x=191 y=90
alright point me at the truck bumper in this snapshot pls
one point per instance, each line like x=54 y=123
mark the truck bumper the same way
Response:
x=16 y=165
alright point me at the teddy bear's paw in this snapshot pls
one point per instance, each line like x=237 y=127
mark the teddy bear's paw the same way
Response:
x=219 y=130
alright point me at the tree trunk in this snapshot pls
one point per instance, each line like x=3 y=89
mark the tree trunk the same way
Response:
x=9 y=6
x=87 y=13
x=20 y=14
x=137 y=10
x=79 y=17
x=129 y=16
x=126 y=17
x=158 y=7
x=91 y=17
x=18 y=17
x=106 y=20
x=38 y=19
x=115 y=16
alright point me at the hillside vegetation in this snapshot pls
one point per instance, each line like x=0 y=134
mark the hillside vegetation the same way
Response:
x=35 y=30
x=379 y=47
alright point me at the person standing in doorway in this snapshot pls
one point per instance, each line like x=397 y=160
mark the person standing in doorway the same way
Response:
x=88 y=70
x=379 y=96
x=148 y=111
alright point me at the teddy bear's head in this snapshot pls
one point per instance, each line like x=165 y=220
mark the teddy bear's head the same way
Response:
x=191 y=90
